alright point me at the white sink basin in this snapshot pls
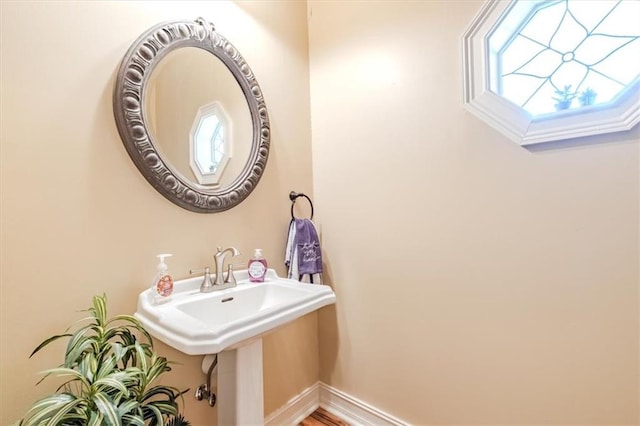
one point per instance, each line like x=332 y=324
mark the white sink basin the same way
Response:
x=206 y=323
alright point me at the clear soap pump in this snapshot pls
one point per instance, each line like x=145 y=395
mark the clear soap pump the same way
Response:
x=162 y=285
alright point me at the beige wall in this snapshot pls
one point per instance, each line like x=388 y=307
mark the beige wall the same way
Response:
x=478 y=282
x=78 y=219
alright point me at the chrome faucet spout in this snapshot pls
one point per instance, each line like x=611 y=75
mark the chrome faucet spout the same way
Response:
x=219 y=263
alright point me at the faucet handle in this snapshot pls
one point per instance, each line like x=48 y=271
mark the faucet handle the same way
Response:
x=207 y=282
x=230 y=278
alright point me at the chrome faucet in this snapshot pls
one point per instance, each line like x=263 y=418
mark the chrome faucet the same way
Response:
x=219 y=257
x=219 y=282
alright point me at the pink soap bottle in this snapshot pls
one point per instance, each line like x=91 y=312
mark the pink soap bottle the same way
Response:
x=257 y=267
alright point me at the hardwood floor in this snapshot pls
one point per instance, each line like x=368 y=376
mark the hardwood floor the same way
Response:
x=321 y=417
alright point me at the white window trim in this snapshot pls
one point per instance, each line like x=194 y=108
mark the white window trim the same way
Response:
x=619 y=115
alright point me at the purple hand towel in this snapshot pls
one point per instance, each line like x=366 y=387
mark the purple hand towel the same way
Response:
x=308 y=245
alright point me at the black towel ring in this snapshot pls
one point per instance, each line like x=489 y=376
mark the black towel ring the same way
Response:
x=293 y=196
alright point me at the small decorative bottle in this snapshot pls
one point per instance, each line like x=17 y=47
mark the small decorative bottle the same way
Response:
x=257 y=267
x=162 y=285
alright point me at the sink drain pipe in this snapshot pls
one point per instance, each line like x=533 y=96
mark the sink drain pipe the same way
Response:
x=205 y=391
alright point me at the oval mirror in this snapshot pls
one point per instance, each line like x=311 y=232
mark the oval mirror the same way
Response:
x=192 y=116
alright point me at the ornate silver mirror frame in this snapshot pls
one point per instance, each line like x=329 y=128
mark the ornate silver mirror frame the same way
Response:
x=128 y=99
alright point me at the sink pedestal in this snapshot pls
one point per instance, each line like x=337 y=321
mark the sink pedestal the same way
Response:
x=240 y=390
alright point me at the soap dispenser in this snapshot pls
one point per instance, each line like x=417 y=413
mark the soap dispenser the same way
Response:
x=257 y=267
x=162 y=285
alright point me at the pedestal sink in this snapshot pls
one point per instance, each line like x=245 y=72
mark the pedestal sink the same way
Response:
x=231 y=323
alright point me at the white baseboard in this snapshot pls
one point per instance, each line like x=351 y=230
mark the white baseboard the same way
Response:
x=354 y=411
x=338 y=403
x=297 y=409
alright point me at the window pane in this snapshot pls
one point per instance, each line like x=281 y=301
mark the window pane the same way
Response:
x=568 y=54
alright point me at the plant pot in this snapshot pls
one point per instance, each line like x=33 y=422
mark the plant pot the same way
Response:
x=563 y=105
x=589 y=100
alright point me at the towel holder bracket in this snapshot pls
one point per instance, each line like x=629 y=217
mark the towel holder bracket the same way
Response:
x=293 y=196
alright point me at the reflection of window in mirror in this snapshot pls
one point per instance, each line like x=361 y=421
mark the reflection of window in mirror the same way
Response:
x=210 y=143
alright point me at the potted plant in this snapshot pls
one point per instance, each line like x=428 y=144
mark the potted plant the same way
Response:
x=109 y=370
x=564 y=98
x=587 y=97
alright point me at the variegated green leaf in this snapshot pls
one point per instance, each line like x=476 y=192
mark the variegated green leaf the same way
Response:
x=131 y=420
x=158 y=366
x=170 y=392
x=165 y=407
x=118 y=350
x=108 y=409
x=124 y=376
x=99 y=331
x=63 y=411
x=128 y=407
x=63 y=371
x=106 y=367
x=96 y=419
x=66 y=385
x=46 y=408
x=99 y=309
x=154 y=413
x=135 y=323
x=78 y=344
x=87 y=365
x=110 y=333
x=141 y=357
x=47 y=341
x=112 y=383
x=134 y=372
